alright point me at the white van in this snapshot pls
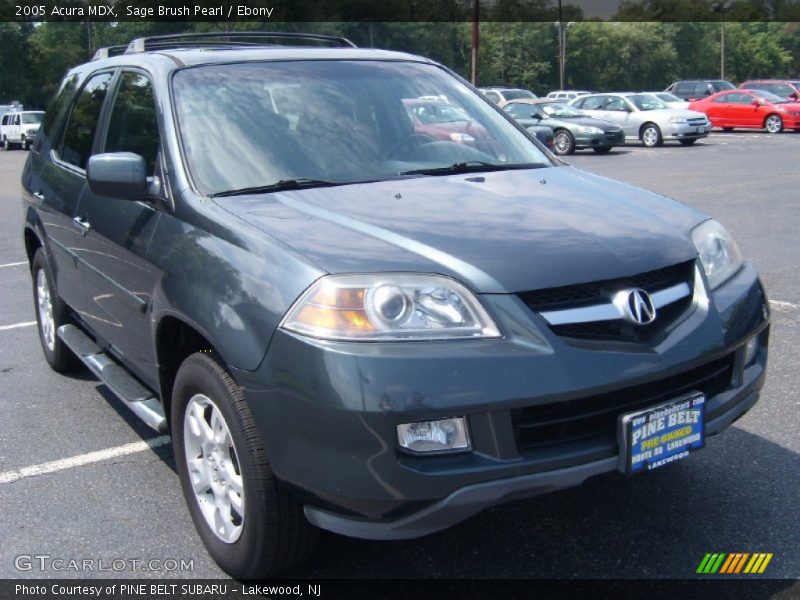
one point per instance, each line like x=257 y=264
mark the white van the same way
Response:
x=19 y=129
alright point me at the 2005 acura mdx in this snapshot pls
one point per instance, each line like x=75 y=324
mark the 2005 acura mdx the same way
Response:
x=349 y=325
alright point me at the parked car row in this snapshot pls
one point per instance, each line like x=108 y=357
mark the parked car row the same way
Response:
x=684 y=112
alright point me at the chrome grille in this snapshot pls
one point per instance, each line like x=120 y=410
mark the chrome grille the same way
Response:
x=587 y=311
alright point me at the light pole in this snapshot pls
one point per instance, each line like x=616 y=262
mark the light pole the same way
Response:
x=562 y=48
x=476 y=11
x=721 y=8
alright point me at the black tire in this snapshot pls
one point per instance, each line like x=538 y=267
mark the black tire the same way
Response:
x=275 y=534
x=688 y=142
x=7 y=145
x=727 y=129
x=602 y=149
x=650 y=135
x=23 y=145
x=59 y=356
x=563 y=142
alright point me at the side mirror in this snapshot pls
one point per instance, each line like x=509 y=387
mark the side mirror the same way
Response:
x=120 y=175
x=536 y=116
x=756 y=102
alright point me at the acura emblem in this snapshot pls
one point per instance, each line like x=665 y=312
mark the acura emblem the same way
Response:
x=639 y=307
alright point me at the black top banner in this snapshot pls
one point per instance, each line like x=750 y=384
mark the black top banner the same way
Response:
x=261 y=11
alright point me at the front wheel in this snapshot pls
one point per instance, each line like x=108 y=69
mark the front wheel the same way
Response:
x=6 y=145
x=773 y=124
x=688 y=142
x=563 y=142
x=23 y=144
x=651 y=136
x=250 y=526
x=51 y=313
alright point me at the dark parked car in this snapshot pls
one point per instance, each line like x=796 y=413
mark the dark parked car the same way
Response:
x=788 y=89
x=345 y=326
x=572 y=129
x=695 y=89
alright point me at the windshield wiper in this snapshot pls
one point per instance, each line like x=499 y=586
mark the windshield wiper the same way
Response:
x=471 y=166
x=279 y=186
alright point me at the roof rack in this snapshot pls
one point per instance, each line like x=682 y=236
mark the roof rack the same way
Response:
x=229 y=39
x=109 y=51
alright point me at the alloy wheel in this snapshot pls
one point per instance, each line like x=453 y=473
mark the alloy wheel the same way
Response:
x=45 y=308
x=214 y=468
x=650 y=137
x=774 y=124
x=562 y=142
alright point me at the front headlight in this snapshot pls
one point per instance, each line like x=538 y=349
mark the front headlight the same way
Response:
x=31 y=131
x=718 y=252
x=590 y=130
x=389 y=306
x=678 y=120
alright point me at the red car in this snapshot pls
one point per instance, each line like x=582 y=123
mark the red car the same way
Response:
x=751 y=109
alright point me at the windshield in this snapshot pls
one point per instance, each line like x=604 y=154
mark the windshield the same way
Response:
x=256 y=124
x=561 y=111
x=517 y=94
x=768 y=96
x=667 y=97
x=32 y=118
x=779 y=89
x=722 y=85
x=646 y=102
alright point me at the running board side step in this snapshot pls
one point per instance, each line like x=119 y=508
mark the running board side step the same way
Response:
x=132 y=393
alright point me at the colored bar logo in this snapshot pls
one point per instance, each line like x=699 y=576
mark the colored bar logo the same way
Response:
x=734 y=563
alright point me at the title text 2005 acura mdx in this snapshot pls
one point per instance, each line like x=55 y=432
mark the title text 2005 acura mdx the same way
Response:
x=347 y=324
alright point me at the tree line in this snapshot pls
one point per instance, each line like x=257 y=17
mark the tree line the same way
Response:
x=617 y=55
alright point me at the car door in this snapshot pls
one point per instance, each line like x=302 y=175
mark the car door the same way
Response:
x=739 y=110
x=61 y=177
x=592 y=106
x=619 y=111
x=15 y=129
x=750 y=114
x=117 y=232
x=718 y=110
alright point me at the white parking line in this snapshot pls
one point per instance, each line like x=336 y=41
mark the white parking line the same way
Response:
x=17 y=325
x=780 y=305
x=82 y=459
x=17 y=264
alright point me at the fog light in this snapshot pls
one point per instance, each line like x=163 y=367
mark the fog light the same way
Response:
x=750 y=351
x=445 y=435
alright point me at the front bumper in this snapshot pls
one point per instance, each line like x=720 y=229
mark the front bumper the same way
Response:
x=600 y=140
x=328 y=412
x=686 y=132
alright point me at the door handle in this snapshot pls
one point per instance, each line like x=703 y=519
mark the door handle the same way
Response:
x=82 y=224
x=39 y=197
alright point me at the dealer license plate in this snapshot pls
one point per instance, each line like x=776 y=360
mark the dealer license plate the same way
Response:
x=661 y=434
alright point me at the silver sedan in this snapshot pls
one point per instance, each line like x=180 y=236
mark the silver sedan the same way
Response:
x=645 y=117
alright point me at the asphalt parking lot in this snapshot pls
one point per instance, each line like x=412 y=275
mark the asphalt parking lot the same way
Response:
x=740 y=494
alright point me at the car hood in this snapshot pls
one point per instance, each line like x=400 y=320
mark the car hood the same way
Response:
x=499 y=232
x=583 y=122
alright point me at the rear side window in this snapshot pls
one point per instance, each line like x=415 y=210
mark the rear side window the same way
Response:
x=493 y=97
x=76 y=146
x=58 y=106
x=133 y=126
x=594 y=103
